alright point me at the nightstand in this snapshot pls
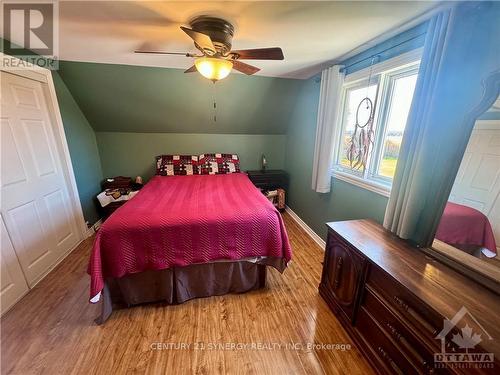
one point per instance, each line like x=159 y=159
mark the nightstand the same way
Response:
x=127 y=188
x=270 y=180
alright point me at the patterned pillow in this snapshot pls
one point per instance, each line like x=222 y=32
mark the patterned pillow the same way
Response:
x=176 y=165
x=218 y=163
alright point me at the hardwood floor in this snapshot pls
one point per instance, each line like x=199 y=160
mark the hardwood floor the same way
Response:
x=51 y=330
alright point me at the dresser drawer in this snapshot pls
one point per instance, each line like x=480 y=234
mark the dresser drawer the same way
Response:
x=386 y=356
x=407 y=306
x=416 y=351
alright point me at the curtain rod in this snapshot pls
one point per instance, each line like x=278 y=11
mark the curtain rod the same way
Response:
x=380 y=52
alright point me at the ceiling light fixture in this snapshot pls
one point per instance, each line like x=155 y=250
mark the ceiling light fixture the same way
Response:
x=213 y=68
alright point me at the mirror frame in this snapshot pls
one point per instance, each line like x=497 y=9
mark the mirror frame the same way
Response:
x=472 y=267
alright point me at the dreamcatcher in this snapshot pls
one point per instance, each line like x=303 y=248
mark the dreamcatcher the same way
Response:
x=362 y=138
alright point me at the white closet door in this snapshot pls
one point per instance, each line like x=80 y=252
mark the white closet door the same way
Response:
x=35 y=202
x=477 y=184
x=13 y=284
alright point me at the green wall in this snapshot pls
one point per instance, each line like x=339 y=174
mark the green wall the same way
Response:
x=132 y=154
x=140 y=99
x=126 y=115
x=139 y=112
x=83 y=150
x=345 y=201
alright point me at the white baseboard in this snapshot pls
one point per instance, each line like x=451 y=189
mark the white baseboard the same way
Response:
x=94 y=228
x=306 y=227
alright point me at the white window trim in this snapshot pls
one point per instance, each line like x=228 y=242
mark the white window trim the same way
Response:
x=394 y=63
x=377 y=185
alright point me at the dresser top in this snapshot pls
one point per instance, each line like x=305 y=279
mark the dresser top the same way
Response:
x=439 y=286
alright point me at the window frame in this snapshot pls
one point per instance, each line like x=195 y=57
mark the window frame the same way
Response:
x=389 y=79
x=359 y=84
x=385 y=73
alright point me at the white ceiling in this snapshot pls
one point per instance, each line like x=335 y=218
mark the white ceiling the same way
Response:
x=309 y=32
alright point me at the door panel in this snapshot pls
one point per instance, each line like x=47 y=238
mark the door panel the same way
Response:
x=12 y=166
x=343 y=268
x=25 y=97
x=58 y=215
x=35 y=201
x=487 y=172
x=39 y=147
x=31 y=239
x=13 y=285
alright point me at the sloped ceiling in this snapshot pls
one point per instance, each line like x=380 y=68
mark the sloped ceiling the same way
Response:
x=310 y=32
x=126 y=98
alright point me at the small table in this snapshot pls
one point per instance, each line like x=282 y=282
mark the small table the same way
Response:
x=107 y=203
x=269 y=180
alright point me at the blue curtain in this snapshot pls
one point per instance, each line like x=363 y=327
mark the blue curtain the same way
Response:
x=461 y=54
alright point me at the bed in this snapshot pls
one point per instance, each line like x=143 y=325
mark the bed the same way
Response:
x=467 y=229
x=184 y=237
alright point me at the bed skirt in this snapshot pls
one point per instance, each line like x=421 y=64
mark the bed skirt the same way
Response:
x=180 y=284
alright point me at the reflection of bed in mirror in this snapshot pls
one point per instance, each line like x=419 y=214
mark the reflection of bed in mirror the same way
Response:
x=467 y=229
x=471 y=220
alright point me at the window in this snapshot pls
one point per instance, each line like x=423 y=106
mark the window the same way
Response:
x=390 y=89
x=353 y=95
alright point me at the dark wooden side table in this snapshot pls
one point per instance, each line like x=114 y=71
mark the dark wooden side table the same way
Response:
x=270 y=179
x=118 y=182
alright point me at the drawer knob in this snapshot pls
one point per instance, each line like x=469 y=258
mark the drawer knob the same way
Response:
x=401 y=303
x=393 y=331
x=389 y=360
x=416 y=316
x=401 y=339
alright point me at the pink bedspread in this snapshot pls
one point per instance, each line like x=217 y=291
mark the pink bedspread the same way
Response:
x=181 y=220
x=462 y=225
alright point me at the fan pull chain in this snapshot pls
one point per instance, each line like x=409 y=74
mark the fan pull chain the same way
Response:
x=214 y=95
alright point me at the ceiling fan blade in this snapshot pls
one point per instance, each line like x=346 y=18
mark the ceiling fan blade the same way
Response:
x=191 y=70
x=202 y=40
x=274 y=53
x=165 y=53
x=245 y=68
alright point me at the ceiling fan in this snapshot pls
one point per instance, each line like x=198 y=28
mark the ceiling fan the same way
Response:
x=213 y=37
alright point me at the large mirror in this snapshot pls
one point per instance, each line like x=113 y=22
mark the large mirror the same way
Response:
x=469 y=230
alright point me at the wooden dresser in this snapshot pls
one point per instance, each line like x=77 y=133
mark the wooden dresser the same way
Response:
x=393 y=300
